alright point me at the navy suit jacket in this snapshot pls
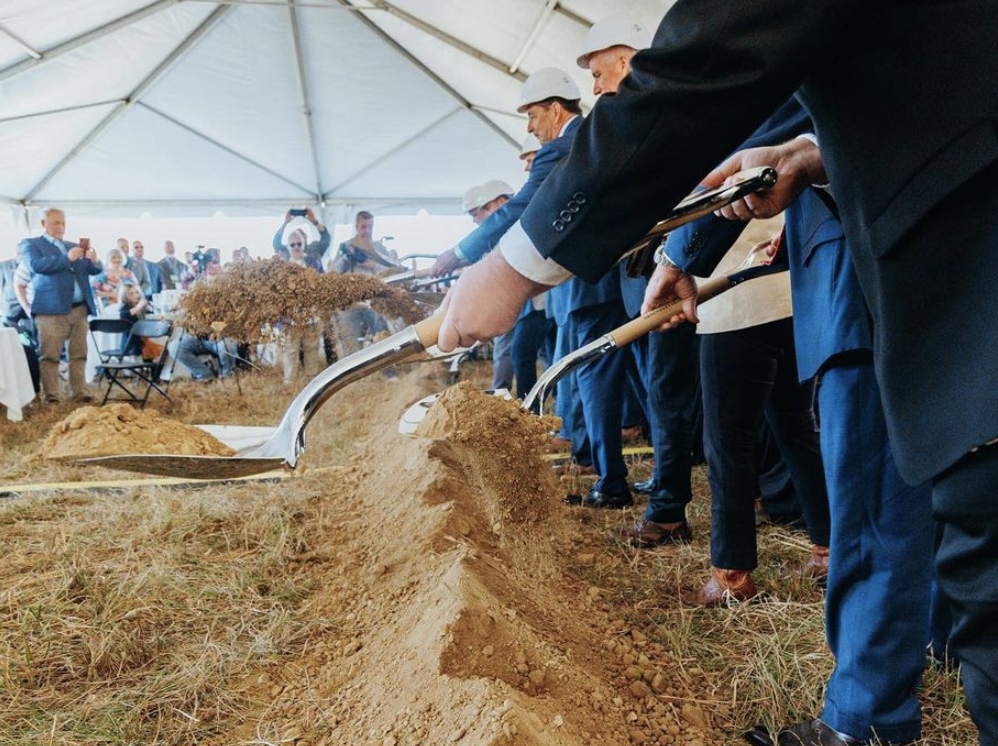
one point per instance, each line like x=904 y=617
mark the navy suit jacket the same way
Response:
x=484 y=238
x=55 y=276
x=830 y=314
x=156 y=278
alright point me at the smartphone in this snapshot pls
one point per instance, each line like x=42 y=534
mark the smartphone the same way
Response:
x=298 y=213
x=84 y=243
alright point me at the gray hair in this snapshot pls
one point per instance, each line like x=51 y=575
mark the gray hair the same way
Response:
x=49 y=210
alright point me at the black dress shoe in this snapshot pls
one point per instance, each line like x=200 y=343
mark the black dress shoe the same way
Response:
x=597 y=499
x=817 y=733
x=644 y=487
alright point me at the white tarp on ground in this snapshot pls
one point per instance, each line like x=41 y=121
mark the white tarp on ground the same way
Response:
x=185 y=107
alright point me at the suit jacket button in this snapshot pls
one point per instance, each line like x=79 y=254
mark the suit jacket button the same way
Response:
x=579 y=197
x=558 y=225
x=566 y=216
x=573 y=206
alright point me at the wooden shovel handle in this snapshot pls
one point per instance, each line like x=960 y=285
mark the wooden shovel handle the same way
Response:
x=650 y=321
x=429 y=329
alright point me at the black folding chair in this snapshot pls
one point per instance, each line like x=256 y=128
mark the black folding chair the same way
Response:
x=147 y=372
x=121 y=327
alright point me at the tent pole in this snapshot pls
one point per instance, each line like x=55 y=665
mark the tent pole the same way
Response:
x=446 y=38
x=222 y=146
x=89 y=36
x=64 y=109
x=20 y=42
x=432 y=75
x=385 y=156
x=535 y=31
x=572 y=15
x=306 y=99
x=193 y=38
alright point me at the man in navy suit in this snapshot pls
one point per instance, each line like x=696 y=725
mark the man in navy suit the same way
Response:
x=62 y=301
x=910 y=146
x=550 y=99
x=882 y=528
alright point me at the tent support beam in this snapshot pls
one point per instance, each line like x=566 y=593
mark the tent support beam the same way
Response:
x=572 y=15
x=93 y=35
x=222 y=146
x=62 y=110
x=276 y=202
x=535 y=31
x=433 y=76
x=306 y=99
x=452 y=41
x=20 y=42
x=133 y=98
x=9 y=200
x=385 y=156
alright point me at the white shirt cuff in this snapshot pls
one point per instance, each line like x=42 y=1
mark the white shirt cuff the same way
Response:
x=459 y=253
x=519 y=252
x=813 y=139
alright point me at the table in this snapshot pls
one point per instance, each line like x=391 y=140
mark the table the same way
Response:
x=16 y=388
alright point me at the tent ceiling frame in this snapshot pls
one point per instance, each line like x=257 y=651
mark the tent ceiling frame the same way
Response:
x=535 y=31
x=20 y=42
x=281 y=202
x=453 y=41
x=62 y=110
x=306 y=99
x=133 y=98
x=222 y=146
x=449 y=89
x=9 y=200
x=572 y=15
x=78 y=41
x=401 y=146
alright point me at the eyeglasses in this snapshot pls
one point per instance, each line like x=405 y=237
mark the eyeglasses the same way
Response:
x=299 y=244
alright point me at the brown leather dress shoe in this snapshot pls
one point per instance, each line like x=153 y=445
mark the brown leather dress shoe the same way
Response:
x=817 y=564
x=647 y=534
x=723 y=587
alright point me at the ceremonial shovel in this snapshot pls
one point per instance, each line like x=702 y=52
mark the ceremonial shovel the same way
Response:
x=286 y=444
x=622 y=335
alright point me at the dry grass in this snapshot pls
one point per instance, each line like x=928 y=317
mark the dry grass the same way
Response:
x=146 y=617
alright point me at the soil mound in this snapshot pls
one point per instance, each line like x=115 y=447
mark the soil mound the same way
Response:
x=454 y=610
x=504 y=445
x=121 y=429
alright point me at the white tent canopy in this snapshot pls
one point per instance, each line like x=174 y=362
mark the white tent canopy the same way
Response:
x=185 y=107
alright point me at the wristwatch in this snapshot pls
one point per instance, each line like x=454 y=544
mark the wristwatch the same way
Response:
x=662 y=259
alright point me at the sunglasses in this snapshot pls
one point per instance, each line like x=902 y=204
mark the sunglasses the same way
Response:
x=293 y=245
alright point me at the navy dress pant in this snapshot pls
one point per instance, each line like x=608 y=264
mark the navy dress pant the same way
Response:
x=569 y=404
x=601 y=387
x=670 y=365
x=879 y=581
x=749 y=374
x=529 y=336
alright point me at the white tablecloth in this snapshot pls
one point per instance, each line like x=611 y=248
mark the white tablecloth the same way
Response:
x=16 y=389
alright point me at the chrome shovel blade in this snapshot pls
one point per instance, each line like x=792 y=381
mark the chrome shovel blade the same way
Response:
x=418 y=411
x=188 y=467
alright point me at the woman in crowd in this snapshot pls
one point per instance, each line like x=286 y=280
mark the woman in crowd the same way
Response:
x=108 y=284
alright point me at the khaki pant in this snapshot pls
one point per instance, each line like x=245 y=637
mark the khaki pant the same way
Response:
x=309 y=345
x=54 y=331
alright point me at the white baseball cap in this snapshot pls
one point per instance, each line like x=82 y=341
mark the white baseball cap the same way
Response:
x=530 y=145
x=548 y=82
x=471 y=199
x=493 y=189
x=614 y=31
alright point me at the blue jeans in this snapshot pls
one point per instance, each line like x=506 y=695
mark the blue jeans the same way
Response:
x=747 y=375
x=189 y=349
x=877 y=605
x=670 y=365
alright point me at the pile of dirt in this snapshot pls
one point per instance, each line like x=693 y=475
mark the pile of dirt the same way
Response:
x=505 y=443
x=453 y=609
x=261 y=301
x=121 y=429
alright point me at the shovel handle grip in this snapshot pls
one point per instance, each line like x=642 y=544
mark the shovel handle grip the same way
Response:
x=642 y=325
x=429 y=329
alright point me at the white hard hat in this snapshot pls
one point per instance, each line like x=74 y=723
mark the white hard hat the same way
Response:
x=471 y=199
x=493 y=189
x=548 y=82
x=614 y=31
x=530 y=145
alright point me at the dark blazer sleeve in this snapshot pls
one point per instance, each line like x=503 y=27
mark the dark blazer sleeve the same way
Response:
x=484 y=238
x=698 y=247
x=715 y=71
